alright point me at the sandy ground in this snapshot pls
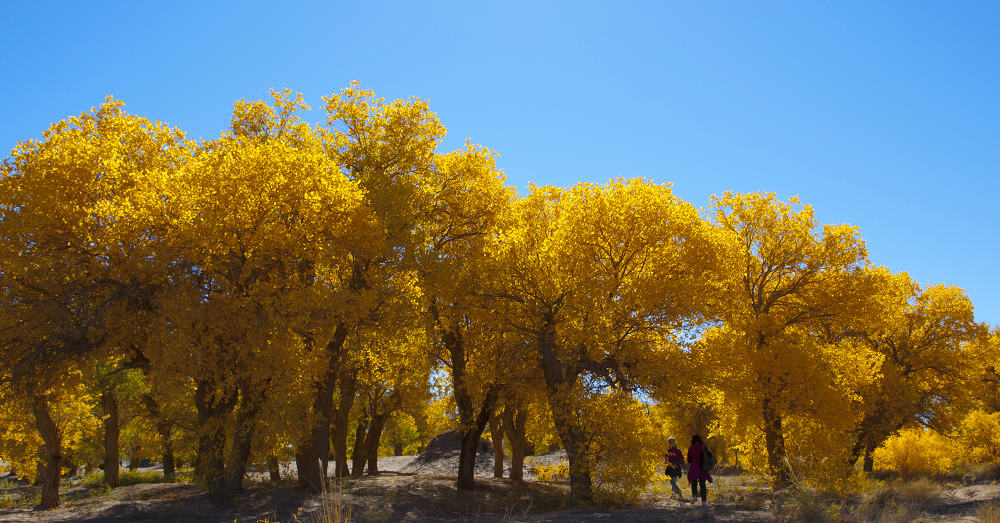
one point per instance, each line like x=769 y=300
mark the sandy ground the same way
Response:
x=408 y=489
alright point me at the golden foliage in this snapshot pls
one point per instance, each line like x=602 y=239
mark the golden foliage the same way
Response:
x=917 y=451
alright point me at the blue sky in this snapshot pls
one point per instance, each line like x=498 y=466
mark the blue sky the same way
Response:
x=880 y=114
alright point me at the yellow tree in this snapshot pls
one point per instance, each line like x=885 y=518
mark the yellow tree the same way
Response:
x=468 y=204
x=79 y=211
x=985 y=380
x=263 y=213
x=791 y=280
x=922 y=378
x=599 y=278
x=385 y=148
x=394 y=374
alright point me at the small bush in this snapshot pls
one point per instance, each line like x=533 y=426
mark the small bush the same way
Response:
x=916 y=452
x=552 y=473
x=981 y=437
x=93 y=479
x=135 y=477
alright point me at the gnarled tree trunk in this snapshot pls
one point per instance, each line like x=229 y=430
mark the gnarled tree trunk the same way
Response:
x=348 y=386
x=273 y=470
x=213 y=411
x=496 y=436
x=109 y=402
x=52 y=452
x=774 y=439
x=312 y=455
x=514 y=427
x=372 y=442
x=359 y=455
x=560 y=380
x=471 y=424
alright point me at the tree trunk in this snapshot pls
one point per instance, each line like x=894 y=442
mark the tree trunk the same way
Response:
x=133 y=462
x=252 y=400
x=574 y=439
x=111 y=433
x=40 y=467
x=560 y=382
x=397 y=448
x=359 y=455
x=515 y=429
x=471 y=425
x=774 y=439
x=316 y=446
x=869 y=463
x=467 y=459
x=213 y=411
x=307 y=466
x=373 y=440
x=164 y=429
x=272 y=467
x=348 y=386
x=52 y=452
x=496 y=435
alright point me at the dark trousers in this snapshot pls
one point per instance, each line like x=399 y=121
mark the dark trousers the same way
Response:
x=694 y=489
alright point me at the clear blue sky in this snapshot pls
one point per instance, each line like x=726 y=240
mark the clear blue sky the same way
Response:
x=880 y=114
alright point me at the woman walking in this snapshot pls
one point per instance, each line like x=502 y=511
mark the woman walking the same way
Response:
x=674 y=465
x=696 y=474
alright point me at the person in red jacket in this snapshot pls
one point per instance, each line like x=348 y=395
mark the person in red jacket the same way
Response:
x=674 y=463
x=696 y=475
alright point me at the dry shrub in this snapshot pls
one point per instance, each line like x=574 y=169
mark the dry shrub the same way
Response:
x=804 y=504
x=989 y=513
x=901 y=501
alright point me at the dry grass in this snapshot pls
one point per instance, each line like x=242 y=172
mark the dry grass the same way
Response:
x=334 y=507
x=989 y=513
x=902 y=501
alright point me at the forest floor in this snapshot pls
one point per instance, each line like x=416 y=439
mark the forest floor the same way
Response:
x=406 y=490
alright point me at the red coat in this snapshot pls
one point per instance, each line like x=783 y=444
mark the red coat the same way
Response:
x=694 y=458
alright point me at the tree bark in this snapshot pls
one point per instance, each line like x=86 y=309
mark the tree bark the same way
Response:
x=272 y=467
x=560 y=381
x=252 y=400
x=307 y=466
x=359 y=455
x=133 y=462
x=774 y=439
x=348 y=386
x=52 y=452
x=109 y=402
x=514 y=427
x=164 y=429
x=316 y=445
x=869 y=463
x=213 y=411
x=496 y=436
x=373 y=440
x=471 y=425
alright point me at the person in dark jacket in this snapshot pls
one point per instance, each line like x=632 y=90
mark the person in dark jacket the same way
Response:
x=674 y=463
x=696 y=475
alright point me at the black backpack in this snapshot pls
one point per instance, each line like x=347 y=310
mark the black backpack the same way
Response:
x=707 y=459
